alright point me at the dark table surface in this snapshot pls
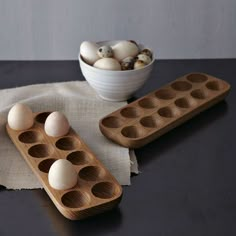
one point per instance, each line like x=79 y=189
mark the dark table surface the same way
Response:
x=187 y=184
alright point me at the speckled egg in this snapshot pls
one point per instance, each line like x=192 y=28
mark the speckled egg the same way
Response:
x=143 y=57
x=127 y=63
x=147 y=52
x=139 y=64
x=105 y=51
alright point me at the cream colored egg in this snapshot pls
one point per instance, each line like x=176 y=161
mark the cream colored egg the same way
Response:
x=62 y=175
x=56 y=124
x=139 y=64
x=125 y=49
x=20 y=117
x=146 y=59
x=107 y=64
x=88 y=50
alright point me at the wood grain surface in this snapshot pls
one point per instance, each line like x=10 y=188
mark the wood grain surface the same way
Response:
x=151 y=116
x=96 y=190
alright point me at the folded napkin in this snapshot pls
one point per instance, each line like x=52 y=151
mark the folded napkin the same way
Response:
x=83 y=108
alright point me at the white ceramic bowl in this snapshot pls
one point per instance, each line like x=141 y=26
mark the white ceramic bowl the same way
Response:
x=115 y=85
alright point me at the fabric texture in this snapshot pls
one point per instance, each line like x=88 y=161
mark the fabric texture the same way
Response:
x=83 y=108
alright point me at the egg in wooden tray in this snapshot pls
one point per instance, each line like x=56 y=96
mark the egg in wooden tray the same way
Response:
x=76 y=181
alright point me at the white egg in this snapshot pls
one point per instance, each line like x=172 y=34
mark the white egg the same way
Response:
x=125 y=49
x=56 y=124
x=88 y=51
x=107 y=64
x=20 y=117
x=62 y=175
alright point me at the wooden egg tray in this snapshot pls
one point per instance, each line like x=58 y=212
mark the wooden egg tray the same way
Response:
x=149 y=117
x=96 y=190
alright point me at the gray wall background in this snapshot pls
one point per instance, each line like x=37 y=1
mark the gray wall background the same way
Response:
x=54 y=29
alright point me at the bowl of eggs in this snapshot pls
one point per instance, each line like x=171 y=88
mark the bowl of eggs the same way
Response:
x=115 y=69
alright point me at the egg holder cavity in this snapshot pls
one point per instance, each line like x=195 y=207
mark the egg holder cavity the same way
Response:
x=96 y=189
x=149 y=117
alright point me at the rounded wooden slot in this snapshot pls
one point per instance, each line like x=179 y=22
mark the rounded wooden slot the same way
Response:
x=45 y=165
x=199 y=94
x=131 y=132
x=168 y=112
x=214 y=85
x=91 y=173
x=130 y=112
x=40 y=150
x=67 y=143
x=105 y=190
x=150 y=122
x=165 y=94
x=75 y=199
x=41 y=117
x=183 y=103
x=30 y=137
x=79 y=158
x=148 y=103
x=181 y=86
x=112 y=122
x=197 y=78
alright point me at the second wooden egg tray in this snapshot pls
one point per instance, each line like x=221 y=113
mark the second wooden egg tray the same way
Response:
x=96 y=190
x=147 y=118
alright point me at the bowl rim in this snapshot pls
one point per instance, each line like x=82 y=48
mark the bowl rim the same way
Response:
x=113 y=42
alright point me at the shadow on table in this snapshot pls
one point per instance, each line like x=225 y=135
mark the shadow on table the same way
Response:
x=100 y=224
x=179 y=134
x=2 y=188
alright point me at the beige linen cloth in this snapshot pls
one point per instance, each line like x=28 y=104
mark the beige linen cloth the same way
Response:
x=83 y=108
